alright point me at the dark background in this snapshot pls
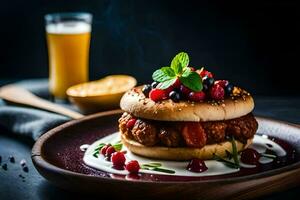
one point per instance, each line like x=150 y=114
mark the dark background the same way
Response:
x=254 y=44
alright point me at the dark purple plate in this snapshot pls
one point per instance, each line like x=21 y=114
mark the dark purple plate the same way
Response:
x=58 y=158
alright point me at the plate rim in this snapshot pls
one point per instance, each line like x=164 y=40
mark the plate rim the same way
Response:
x=40 y=162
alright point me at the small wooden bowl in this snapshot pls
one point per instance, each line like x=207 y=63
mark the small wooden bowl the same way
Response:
x=58 y=158
x=96 y=100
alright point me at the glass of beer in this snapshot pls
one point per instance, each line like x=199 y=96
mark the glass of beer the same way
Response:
x=68 y=39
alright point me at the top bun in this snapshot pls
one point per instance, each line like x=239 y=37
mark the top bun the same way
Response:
x=237 y=105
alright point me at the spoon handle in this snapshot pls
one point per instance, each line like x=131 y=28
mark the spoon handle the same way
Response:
x=18 y=95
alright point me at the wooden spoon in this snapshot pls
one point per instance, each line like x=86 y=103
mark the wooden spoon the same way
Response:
x=19 y=95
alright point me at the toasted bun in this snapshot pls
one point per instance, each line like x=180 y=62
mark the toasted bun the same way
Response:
x=183 y=153
x=135 y=102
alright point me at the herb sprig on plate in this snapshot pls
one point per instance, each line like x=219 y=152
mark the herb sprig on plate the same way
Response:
x=167 y=76
x=156 y=167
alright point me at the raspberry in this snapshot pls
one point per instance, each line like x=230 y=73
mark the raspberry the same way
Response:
x=157 y=94
x=118 y=159
x=110 y=150
x=133 y=166
x=217 y=92
x=177 y=83
x=130 y=123
x=197 y=96
x=104 y=149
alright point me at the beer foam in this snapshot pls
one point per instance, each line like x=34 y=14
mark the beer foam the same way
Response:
x=71 y=27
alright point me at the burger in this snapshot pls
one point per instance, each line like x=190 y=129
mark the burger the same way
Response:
x=191 y=116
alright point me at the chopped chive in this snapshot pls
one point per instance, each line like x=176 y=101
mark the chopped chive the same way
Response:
x=234 y=152
x=95 y=154
x=164 y=170
x=118 y=146
x=151 y=165
x=226 y=162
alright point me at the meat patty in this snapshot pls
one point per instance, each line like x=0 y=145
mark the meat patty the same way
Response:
x=192 y=134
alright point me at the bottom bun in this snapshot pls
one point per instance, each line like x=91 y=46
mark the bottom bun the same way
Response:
x=183 y=153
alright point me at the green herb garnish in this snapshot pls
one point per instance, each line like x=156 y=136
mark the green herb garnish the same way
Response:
x=235 y=152
x=167 y=76
x=156 y=167
x=117 y=146
x=226 y=162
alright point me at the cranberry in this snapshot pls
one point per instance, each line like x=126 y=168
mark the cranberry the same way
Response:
x=104 y=149
x=196 y=165
x=250 y=156
x=157 y=94
x=110 y=150
x=222 y=83
x=217 y=92
x=204 y=73
x=197 y=96
x=118 y=159
x=185 y=90
x=133 y=166
x=130 y=123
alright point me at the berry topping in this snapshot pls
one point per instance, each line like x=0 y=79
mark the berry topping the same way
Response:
x=184 y=90
x=197 y=96
x=196 y=165
x=146 y=89
x=202 y=72
x=118 y=159
x=133 y=167
x=175 y=96
x=222 y=83
x=177 y=83
x=104 y=149
x=217 y=92
x=130 y=123
x=157 y=94
x=154 y=84
x=228 y=88
x=250 y=156
x=110 y=150
x=208 y=81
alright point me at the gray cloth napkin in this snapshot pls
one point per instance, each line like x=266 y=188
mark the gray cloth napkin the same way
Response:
x=30 y=122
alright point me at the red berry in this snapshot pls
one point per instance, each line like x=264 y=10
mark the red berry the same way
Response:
x=217 y=92
x=202 y=72
x=197 y=96
x=130 y=123
x=118 y=159
x=133 y=166
x=104 y=149
x=184 y=90
x=250 y=156
x=177 y=83
x=222 y=83
x=110 y=150
x=157 y=94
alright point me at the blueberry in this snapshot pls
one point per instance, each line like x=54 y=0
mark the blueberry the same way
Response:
x=208 y=81
x=228 y=88
x=25 y=169
x=154 y=84
x=175 y=96
x=146 y=89
x=4 y=166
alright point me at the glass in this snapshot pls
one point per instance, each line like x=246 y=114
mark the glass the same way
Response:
x=68 y=39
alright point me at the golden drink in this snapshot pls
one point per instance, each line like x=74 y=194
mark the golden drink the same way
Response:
x=68 y=49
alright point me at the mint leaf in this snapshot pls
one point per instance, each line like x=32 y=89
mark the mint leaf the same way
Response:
x=162 y=74
x=166 y=84
x=192 y=80
x=187 y=71
x=168 y=71
x=180 y=62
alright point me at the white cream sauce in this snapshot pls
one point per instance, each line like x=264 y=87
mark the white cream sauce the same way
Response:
x=214 y=167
